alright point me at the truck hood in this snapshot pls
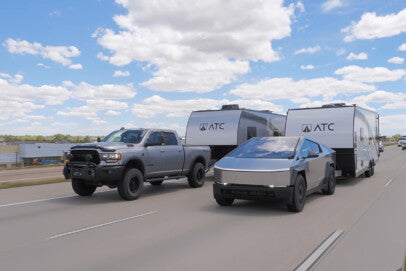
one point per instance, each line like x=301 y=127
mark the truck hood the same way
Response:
x=104 y=146
x=253 y=164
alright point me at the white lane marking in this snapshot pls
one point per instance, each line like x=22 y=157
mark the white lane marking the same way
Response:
x=35 y=178
x=312 y=258
x=41 y=200
x=389 y=182
x=100 y=225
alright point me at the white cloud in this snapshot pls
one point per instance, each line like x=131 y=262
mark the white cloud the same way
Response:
x=196 y=53
x=331 y=4
x=12 y=90
x=112 y=113
x=307 y=67
x=360 y=56
x=340 y=52
x=370 y=75
x=85 y=91
x=389 y=124
x=121 y=73
x=59 y=54
x=75 y=66
x=309 y=50
x=372 y=26
x=287 y=88
x=43 y=65
x=156 y=105
x=402 y=47
x=396 y=60
x=13 y=109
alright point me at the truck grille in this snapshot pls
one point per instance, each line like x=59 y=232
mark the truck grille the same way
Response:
x=87 y=156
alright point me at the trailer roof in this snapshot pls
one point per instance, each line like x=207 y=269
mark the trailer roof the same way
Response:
x=327 y=107
x=240 y=109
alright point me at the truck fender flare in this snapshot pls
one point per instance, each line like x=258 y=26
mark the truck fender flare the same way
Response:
x=197 y=159
x=134 y=163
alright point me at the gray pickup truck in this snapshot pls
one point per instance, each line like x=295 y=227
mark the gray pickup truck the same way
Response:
x=129 y=157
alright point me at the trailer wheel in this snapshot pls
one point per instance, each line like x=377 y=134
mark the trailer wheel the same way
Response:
x=299 y=195
x=196 y=177
x=369 y=172
x=331 y=183
x=81 y=188
x=131 y=185
x=225 y=201
x=156 y=183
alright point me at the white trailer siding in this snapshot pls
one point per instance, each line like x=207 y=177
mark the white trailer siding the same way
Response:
x=211 y=128
x=350 y=130
x=334 y=127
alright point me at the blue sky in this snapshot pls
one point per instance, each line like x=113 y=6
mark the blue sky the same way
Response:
x=89 y=67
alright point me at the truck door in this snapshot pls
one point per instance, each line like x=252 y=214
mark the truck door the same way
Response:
x=154 y=156
x=311 y=167
x=174 y=154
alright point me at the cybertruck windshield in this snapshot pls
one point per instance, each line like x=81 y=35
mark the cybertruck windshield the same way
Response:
x=125 y=136
x=267 y=147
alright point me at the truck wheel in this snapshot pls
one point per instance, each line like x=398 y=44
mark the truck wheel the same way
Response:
x=225 y=201
x=331 y=183
x=81 y=188
x=131 y=185
x=156 y=183
x=196 y=177
x=299 y=195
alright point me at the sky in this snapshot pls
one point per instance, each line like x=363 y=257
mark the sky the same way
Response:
x=90 y=67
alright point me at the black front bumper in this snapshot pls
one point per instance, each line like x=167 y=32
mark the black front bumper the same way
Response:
x=93 y=174
x=252 y=192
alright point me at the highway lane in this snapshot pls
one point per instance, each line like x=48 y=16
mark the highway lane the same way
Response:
x=30 y=174
x=174 y=227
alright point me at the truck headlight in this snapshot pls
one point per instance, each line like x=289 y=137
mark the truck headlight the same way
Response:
x=111 y=157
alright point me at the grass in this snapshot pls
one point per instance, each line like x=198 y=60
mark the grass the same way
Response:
x=31 y=183
x=39 y=166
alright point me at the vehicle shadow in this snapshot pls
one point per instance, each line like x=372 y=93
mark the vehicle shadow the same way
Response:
x=255 y=208
x=349 y=181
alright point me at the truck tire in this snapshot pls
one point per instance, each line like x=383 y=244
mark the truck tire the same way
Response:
x=225 y=201
x=156 y=183
x=331 y=183
x=82 y=189
x=299 y=195
x=131 y=185
x=196 y=177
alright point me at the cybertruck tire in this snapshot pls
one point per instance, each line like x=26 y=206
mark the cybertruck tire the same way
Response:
x=81 y=188
x=331 y=183
x=299 y=195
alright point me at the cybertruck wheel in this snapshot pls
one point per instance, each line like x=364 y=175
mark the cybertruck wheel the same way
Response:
x=299 y=195
x=82 y=189
x=131 y=185
x=225 y=201
x=331 y=183
x=196 y=177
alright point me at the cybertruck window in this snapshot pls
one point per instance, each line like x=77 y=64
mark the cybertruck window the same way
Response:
x=127 y=136
x=267 y=147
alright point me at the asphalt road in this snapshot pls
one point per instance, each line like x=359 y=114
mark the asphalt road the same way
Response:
x=30 y=174
x=174 y=227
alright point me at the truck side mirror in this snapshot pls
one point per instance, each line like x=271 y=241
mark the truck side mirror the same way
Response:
x=312 y=154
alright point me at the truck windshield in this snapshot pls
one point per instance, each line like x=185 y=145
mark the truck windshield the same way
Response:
x=125 y=136
x=267 y=147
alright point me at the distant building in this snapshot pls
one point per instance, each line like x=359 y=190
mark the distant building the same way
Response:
x=32 y=154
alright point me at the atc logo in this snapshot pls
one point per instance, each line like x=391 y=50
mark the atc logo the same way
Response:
x=306 y=128
x=203 y=126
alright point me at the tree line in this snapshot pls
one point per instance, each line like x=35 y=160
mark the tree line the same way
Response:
x=57 y=138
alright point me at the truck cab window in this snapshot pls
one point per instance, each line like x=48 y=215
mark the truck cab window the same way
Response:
x=315 y=147
x=170 y=139
x=154 y=137
x=304 y=150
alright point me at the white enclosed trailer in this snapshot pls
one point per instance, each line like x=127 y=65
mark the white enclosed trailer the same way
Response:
x=350 y=130
x=225 y=129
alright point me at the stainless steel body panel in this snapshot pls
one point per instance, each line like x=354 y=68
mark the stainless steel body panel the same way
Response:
x=274 y=178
